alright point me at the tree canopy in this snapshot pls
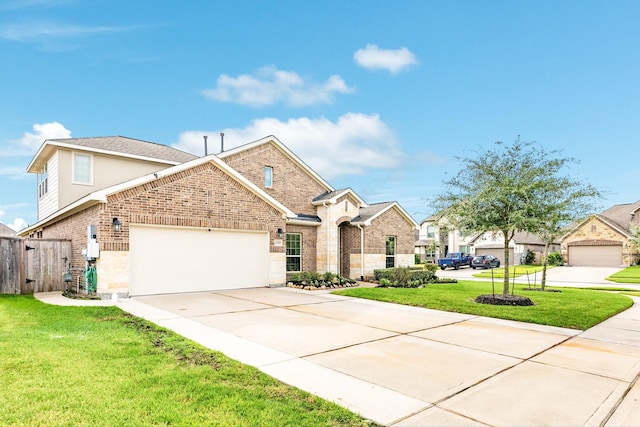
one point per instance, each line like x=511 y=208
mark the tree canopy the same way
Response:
x=510 y=188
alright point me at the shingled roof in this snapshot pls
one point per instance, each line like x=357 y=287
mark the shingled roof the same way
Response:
x=116 y=145
x=622 y=214
x=6 y=231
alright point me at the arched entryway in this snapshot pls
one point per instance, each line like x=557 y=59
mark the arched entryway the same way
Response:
x=349 y=244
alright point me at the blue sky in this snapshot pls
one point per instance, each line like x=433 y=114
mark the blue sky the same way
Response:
x=379 y=96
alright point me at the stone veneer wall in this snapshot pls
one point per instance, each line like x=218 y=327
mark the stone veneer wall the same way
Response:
x=593 y=231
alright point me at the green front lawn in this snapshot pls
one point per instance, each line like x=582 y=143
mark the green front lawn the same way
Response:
x=628 y=275
x=571 y=308
x=514 y=271
x=98 y=366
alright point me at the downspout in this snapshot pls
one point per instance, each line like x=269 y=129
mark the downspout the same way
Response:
x=328 y=246
x=361 y=251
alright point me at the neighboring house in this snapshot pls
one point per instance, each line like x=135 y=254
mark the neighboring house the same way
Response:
x=603 y=239
x=153 y=219
x=491 y=243
x=6 y=231
x=437 y=237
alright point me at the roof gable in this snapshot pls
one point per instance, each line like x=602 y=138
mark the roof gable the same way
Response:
x=101 y=196
x=621 y=215
x=119 y=146
x=369 y=213
x=606 y=221
x=284 y=149
x=6 y=231
x=332 y=197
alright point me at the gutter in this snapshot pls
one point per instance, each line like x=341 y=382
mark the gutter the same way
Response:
x=361 y=251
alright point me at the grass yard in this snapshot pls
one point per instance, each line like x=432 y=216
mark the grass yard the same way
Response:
x=571 y=308
x=99 y=366
x=514 y=270
x=628 y=275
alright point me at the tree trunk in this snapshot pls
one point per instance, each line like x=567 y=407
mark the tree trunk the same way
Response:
x=545 y=262
x=505 y=287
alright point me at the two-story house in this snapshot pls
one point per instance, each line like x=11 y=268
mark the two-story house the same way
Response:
x=437 y=237
x=153 y=219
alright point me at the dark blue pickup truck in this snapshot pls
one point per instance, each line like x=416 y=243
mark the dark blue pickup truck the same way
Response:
x=455 y=260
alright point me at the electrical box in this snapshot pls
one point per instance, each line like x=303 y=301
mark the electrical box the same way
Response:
x=93 y=249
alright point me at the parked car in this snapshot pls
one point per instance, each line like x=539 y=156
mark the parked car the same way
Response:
x=455 y=260
x=485 y=261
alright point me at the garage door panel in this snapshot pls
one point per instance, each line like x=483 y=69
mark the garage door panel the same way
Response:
x=498 y=253
x=596 y=256
x=170 y=260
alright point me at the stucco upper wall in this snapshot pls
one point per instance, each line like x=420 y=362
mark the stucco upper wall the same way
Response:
x=292 y=185
x=390 y=223
x=594 y=229
x=107 y=171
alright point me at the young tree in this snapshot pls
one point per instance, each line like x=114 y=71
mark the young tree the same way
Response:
x=564 y=201
x=504 y=189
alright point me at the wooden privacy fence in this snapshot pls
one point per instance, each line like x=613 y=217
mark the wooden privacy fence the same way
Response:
x=33 y=265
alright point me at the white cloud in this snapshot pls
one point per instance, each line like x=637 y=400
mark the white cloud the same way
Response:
x=269 y=86
x=14 y=172
x=30 y=142
x=387 y=59
x=18 y=223
x=353 y=144
x=42 y=31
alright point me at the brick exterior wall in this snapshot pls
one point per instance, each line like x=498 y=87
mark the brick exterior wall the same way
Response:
x=292 y=186
x=349 y=244
x=309 y=243
x=390 y=223
x=203 y=196
x=74 y=228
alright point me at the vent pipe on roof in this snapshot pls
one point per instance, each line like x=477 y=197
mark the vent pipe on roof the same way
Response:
x=221 y=142
x=205 y=145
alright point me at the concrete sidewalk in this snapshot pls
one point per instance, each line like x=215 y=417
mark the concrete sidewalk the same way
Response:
x=407 y=366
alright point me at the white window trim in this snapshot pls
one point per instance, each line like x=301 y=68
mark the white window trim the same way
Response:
x=292 y=256
x=395 y=242
x=264 y=172
x=73 y=169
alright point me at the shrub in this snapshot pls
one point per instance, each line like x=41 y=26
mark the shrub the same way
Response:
x=405 y=277
x=417 y=259
x=555 y=258
x=529 y=257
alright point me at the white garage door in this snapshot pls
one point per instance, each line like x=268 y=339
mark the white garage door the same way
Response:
x=596 y=256
x=170 y=260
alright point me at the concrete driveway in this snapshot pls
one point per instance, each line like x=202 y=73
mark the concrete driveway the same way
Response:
x=407 y=366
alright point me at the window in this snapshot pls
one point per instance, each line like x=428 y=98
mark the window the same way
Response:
x=82 y=173
x=43 y=181
x=430 y=251
x=294 y=252
x=431 y=231
x=391 y=251
x=268 y=177
x=465 y=249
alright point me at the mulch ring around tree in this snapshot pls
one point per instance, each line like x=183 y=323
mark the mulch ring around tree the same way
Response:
x=500 y=299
